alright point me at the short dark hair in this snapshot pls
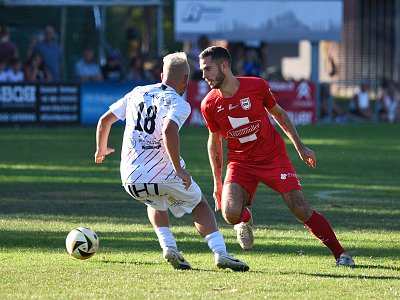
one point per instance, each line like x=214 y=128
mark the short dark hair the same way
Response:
x=216 y=53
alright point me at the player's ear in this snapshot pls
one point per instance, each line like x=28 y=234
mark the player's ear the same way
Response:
x=224 y=65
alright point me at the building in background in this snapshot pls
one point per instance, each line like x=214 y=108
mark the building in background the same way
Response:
x=369 y=49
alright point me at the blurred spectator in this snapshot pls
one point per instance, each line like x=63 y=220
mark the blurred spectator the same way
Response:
x=3 y=70
x=14 y=73
x=390 y=103
x=250 y=65
x=86 y=69
x=33 y=41
x=136 y=70
x=193 y=57
x=35 y=70
x=360 y=104
x=112 y=70
x=134 y=41
x=157 y=69
x=330 y=110
x=50 y=51
x=8 y=50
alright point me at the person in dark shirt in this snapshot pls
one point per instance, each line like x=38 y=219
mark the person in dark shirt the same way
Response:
x=112 y=70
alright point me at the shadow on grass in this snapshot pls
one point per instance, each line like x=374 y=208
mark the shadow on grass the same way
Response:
x=365 y=277
x=188 y=242
x=127 y=262
x=110 y=201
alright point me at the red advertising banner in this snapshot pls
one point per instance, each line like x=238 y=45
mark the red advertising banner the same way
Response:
x=195 y=93
x=297 y=98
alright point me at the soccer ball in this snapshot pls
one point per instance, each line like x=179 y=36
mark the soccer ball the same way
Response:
x=82 y=243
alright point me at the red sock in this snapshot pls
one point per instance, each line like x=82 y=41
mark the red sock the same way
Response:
x=320 y=227
x=246 y=215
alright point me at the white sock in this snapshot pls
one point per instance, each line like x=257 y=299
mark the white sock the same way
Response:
x=166 y=238
x=215 y=242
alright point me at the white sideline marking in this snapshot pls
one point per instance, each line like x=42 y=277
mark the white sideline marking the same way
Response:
x=333 y=194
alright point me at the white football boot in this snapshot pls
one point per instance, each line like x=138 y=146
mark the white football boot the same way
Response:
x=225 y=260
x=244 y=234
x=175 y=259
x=345 y=260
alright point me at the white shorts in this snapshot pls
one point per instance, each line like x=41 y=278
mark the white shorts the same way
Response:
x=164 y=196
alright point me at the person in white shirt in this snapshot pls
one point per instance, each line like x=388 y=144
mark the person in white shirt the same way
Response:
x=360 y=104
x=14 y=73
x=152 y=170
x=86 y=69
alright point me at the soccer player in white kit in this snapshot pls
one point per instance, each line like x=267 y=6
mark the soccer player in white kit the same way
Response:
x=152 y=170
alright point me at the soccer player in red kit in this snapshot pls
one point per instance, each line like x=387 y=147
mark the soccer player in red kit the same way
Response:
x=236 y=108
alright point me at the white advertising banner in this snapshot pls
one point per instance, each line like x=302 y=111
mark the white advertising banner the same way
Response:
x=255 y=20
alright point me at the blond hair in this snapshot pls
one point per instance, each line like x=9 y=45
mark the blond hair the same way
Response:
x=176 y=65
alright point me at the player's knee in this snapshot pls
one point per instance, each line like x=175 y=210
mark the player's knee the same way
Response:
x=231 y=217
x=302 y=212
x=299 y=207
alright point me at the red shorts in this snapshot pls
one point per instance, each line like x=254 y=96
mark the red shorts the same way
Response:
x=278 y=174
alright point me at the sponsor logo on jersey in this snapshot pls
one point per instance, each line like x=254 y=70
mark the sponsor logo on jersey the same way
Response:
x=151 y=147
x=220 y=108
x=231 y=106
x=132 y=144
x=245 y=103
x=244 y=130
x=149 y=144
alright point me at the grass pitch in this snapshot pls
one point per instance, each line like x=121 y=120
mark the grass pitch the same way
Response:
x=49 y=184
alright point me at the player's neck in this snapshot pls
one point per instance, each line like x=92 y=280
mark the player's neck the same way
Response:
x=229 y=87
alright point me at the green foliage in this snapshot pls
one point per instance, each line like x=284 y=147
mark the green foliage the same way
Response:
x=49 y=185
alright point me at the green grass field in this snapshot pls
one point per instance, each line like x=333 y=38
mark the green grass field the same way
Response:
x=49 y=185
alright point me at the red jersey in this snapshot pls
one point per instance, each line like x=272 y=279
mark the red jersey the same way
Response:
x=243 y=121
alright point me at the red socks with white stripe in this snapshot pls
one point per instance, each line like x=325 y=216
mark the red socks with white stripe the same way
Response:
x=320 y=227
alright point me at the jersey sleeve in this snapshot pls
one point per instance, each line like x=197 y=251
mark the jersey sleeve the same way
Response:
x=269 y=97
x=179 y=112
x=119 y=108
x=206 y=111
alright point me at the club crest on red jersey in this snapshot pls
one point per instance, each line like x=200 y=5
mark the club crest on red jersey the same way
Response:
x=245 y=103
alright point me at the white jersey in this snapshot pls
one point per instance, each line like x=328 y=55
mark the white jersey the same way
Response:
x=144 y=158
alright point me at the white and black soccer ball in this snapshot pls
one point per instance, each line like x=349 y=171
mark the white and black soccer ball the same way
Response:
x=82 y=243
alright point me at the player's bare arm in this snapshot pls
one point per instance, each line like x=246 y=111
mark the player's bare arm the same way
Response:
x=102 y=133
x=172 y=146
x=280 y=116
x=215 y=155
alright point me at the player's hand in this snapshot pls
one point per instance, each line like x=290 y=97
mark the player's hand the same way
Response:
x=186 y=178
x=217 y=195
x=100 y=155
x=308 y=156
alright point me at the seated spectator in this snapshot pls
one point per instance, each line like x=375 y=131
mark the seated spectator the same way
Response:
x=8 y=50
x=136 y=70
x=14 y=73
x=112 y=70
x=156 y=69
x=360 y=104
x=3 y=70
x=329 y=109
x=390 y=103
x=86 y=69
x=35 y=70
x=250 y=65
